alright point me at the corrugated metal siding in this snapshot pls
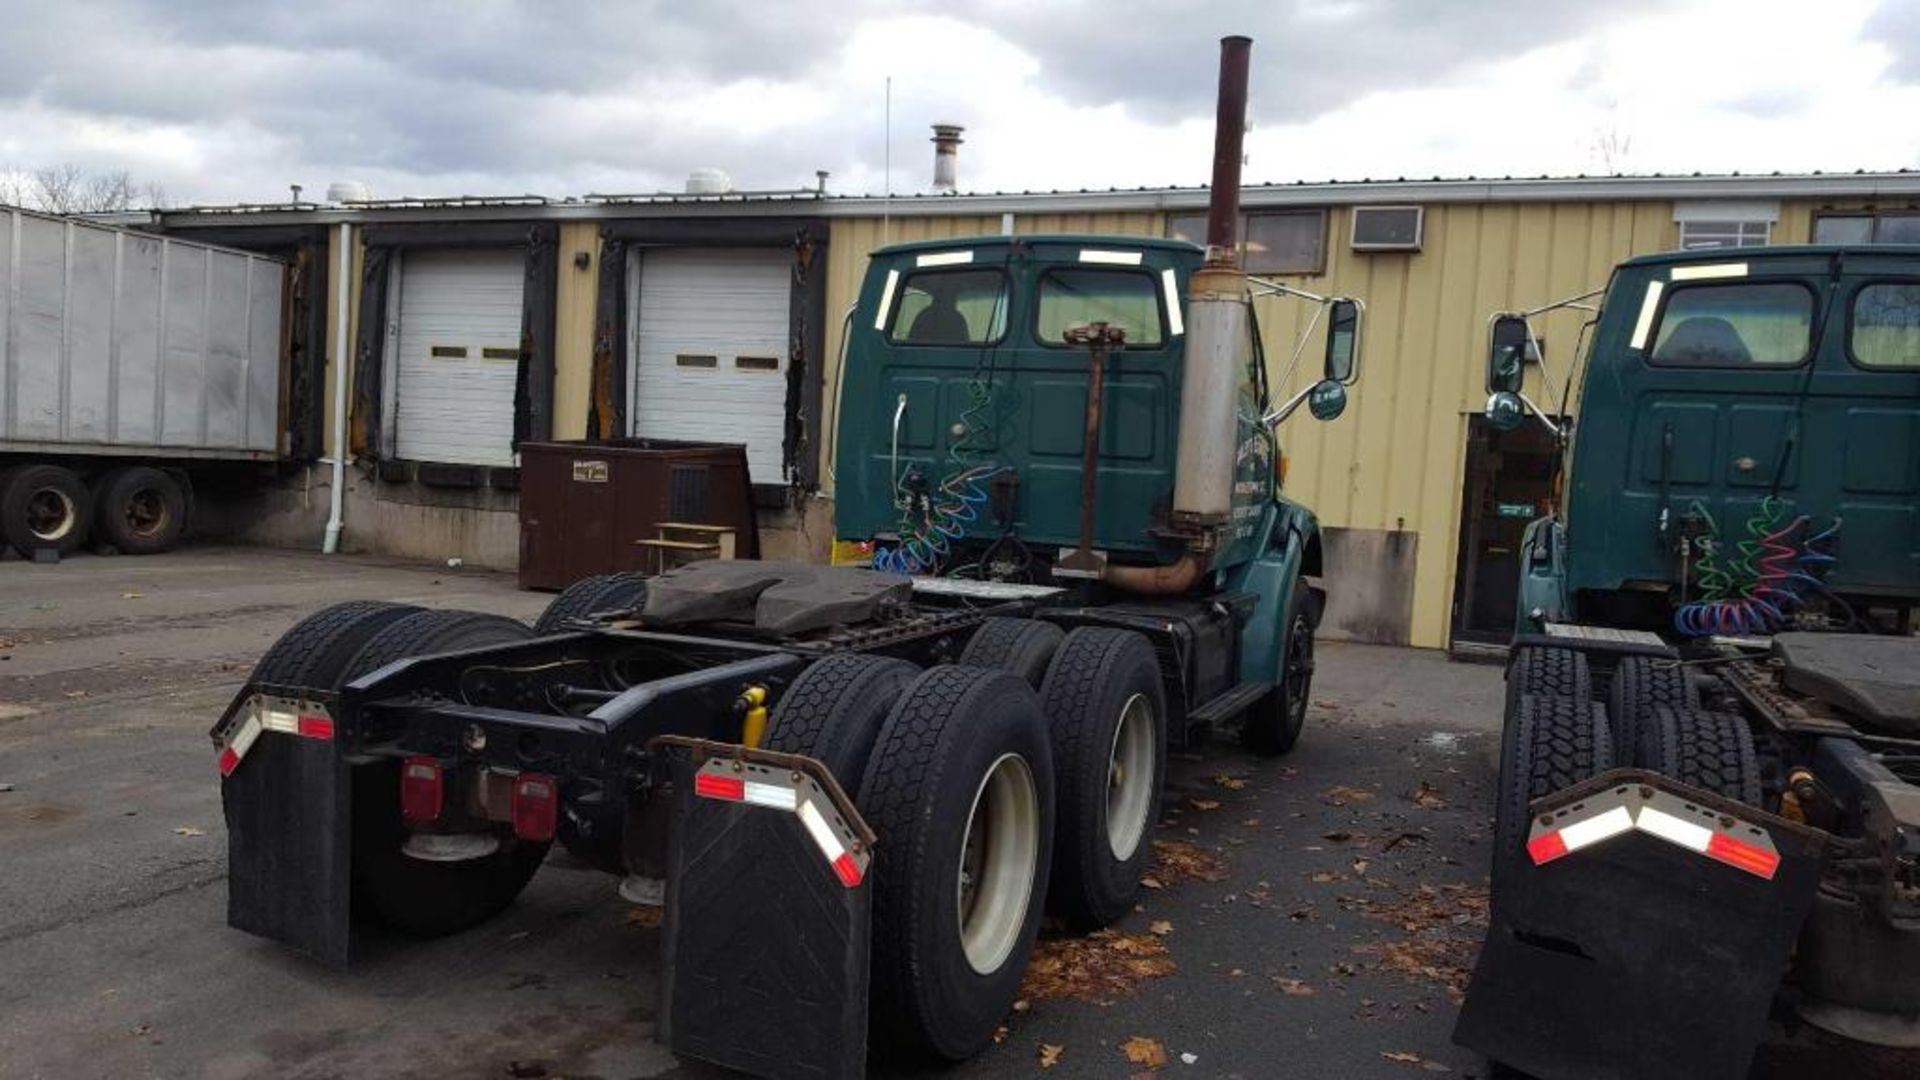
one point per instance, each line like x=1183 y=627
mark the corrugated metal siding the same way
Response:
x=577 y=291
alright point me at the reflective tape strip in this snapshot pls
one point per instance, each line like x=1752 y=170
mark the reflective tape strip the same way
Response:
x=1662 y=815
x=1176 y=322
x=1709 y=271
x=886 y=300
x=944 y=258
x=1643 y=325
x=238 y=745
x=779 y=789
x=737 y=789
x=1667 y=827
x=1109 y=258
x=262 y=713
x=838 y=856
x=1744 y=856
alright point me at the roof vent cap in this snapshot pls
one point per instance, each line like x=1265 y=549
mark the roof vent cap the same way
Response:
x=348 y=191
x=709 y=182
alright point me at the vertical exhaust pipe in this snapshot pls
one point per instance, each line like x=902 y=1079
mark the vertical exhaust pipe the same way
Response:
x=1229 y=134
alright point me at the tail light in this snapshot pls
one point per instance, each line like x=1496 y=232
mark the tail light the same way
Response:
x=536 y=806
x=422 y=790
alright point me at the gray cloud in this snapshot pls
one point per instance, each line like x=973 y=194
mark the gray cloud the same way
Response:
x=1896 y=24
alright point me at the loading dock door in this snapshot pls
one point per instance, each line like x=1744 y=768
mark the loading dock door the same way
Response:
x=458 y=354
x=711 y=348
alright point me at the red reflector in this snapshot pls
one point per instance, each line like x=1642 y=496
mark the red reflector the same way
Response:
x=536 y=807
x=421 y=789
x=1738 y=853
x=313 y=726
x=229 y=761
x=714 y=786
x=1545 y=848
x=848 y=870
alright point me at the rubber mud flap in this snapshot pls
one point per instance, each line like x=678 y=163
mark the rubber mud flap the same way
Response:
x=289 y=849
x=1635 y=956
x=764 y=949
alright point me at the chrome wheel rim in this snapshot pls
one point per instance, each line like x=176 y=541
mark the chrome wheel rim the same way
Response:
x=50 y=515
x=1130 y=768
x=145 y=513
x=999 y=858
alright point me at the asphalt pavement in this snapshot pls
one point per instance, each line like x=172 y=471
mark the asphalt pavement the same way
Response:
x=1307 y=916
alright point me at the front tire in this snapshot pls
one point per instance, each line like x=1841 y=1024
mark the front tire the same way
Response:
x=960 y=792
x=1273 y=724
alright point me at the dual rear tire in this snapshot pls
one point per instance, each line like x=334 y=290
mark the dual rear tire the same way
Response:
x=137 y=509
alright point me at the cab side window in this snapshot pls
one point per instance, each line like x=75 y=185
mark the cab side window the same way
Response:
x=1884 y=329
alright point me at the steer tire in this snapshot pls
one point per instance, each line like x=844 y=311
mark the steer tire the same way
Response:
x=415 y=897
x=1548 y=744
x=1022 y=646
x=1271 y=726
x=583 y=598
x=1548 y=671
x=835 y=709
x=44 y=508
x=952 y=731
x=316 y=651
x=140 y=510
x=1099 y=674
x=1708 y=750
x=1640 y=683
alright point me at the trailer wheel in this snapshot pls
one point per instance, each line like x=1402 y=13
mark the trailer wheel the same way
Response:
x=45 y=507
x=1107 y=715
x=1022 y=646
x=1547 y=671
x=1710 y=750
x=140 y=510
x=1548 y=743
x=316 y=651
x=835 y=709
x=603 y=592
x=960 y=792
x=414 y=896
x=1272 y=725
x=1640 y=684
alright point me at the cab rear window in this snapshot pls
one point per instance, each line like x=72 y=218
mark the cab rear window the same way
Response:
x=1884 y=330
x=1745 y=324
x=1124 y=298
x=950 y=307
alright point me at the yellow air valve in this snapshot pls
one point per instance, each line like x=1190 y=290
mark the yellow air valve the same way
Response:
x=753 y=708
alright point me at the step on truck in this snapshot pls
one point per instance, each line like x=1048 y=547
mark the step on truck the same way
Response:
x=1708 y=812
x=853 y=789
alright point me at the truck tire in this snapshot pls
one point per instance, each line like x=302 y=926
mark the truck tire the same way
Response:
x=1548 y=671
x=140 y=510
x=413 y=896
x=602 y=592
x=1272 y=725
x=1022 y=646
x=1549 y=742
x=1639 y=684
x=314 y=653
x=45 y=507
x=1107 y=717
x=961 y=781
x=1709 y=750
x=834 y=711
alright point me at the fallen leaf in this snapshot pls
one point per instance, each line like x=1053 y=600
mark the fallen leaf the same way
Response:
x=1144 y=1051
x=1050 y=1055
x=1231 y=783
x=1000 y=1034
x=1151 y=883
x=133 y=596
x=1101 y=967
x=646 y=918
x=1360 y=866
x=1427 y=797
x=76 y=693
x=1160 y=928
x=188 y=830
x=1203 y=804
x=1178 y=860
x=1187 y=1058
x=1402 y=1056
x=1341 y=795
x=1022 y=1005
x=1323 y=878
x=1294 y=987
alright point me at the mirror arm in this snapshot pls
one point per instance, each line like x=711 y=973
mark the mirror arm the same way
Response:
x=1278 y=416
x=1300 y=346
x=1267 y=287
x=1571 y=301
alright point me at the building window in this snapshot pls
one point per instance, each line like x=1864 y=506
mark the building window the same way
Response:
x=1712 y=234
x=1900 y=228
x=1271 y=241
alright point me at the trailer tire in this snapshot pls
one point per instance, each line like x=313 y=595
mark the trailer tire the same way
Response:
x=1548 y=671
x=45 y=508
x=1272 y=725
x=1107 y=716
x=1548 y=743
x=1639 y=685
x=1709 y=750
x=415 y=897
x=835 y=709
x=313 y=654
x=140 y=510
x=1022 y=646
x=962 y=746
x=602 y=592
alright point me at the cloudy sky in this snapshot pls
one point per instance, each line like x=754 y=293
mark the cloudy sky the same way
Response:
x=232 y=101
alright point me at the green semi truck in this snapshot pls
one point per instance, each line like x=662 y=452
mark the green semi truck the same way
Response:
x=853 y=789
x=1707 y=808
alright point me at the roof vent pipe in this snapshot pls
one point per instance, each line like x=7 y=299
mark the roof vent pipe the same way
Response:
x=946 y=157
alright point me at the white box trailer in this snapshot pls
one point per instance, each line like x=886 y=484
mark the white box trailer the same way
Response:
x=126 y=358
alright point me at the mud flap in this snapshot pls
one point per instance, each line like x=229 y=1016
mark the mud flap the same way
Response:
x=1642 y=934
x=289 y=833
x=765 y=944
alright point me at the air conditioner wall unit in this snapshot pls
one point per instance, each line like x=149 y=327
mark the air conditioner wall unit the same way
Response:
x=1388 y=228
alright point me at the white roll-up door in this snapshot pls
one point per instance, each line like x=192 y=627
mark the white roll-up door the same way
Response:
x=458 y=355
x=711 y=353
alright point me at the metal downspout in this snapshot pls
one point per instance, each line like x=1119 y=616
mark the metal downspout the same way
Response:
x=343 y=293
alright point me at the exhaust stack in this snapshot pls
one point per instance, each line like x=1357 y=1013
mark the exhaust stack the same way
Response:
x=1218 y=341
x=946 y=157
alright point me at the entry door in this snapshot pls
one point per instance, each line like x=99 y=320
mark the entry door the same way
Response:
x=458 y=355
x=711 y=336
x=1509 y=482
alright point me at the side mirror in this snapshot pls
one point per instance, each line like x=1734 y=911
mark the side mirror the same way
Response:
x=1507 y=348
x=1327 y=400
x=1343 y=343
x=1505 y=410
